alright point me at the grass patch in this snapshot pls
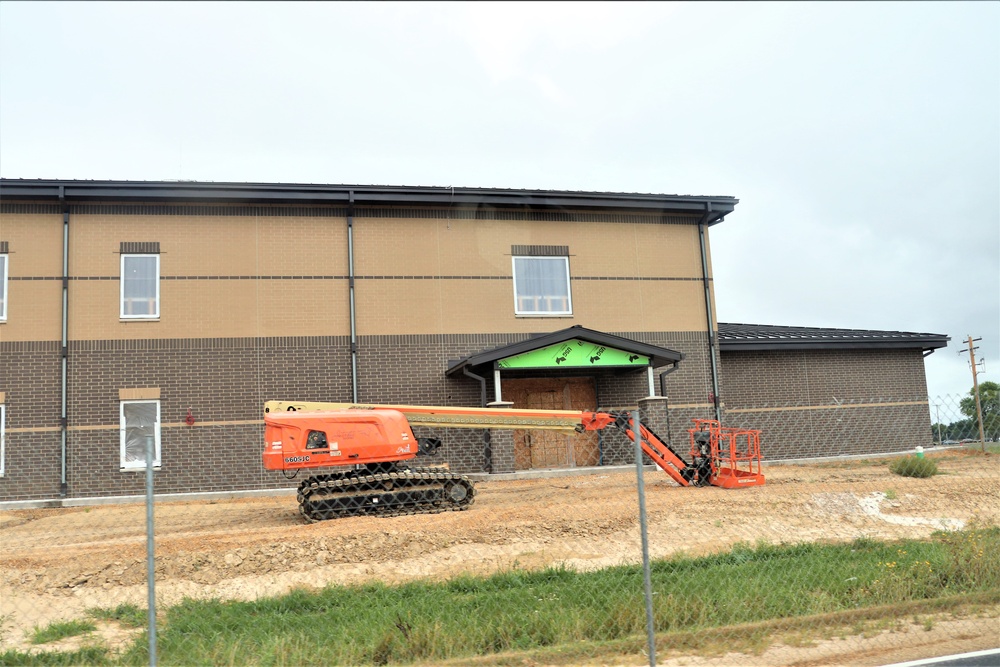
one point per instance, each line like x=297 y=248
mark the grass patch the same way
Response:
x=128 y=615
x=90 y=655
x=911 y=466
x=61 y=630
x=747 y=597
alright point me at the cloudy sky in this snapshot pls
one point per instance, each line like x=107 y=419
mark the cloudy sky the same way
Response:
x=862 y=139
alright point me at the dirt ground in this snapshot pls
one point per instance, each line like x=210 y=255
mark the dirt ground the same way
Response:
x=56 y=563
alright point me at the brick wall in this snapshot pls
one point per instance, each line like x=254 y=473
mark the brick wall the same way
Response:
x=224 y=383
x=254 y=306
x=30 y=380
x=815 y=403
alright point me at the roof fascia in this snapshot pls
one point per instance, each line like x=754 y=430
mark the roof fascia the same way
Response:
x=753 y=346
x=363 y=194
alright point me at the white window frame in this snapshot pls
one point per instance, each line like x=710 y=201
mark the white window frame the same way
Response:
x=519 y=307
x=3 y=438
x=139 y=464
x=156 y=299
x=4 y=289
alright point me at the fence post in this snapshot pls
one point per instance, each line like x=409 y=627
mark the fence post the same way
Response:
x=647 y=579
x=150 y=562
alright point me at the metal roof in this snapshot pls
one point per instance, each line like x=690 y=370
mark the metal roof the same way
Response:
x=734 y=337
x=712 y=209
x=658 y=356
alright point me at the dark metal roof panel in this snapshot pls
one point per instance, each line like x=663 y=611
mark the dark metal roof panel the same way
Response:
x=151 y=191
x=771 y=337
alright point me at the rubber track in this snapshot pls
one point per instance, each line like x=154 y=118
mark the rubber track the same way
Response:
x=350 y=485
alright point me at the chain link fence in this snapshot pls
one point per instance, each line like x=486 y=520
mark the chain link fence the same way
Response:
x=842 y=557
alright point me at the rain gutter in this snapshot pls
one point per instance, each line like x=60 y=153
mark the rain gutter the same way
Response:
x=64 y=349
x=702 y=227
x=302 y=194
x=350 y=287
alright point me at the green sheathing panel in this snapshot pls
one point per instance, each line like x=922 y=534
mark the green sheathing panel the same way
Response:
x=574 y=354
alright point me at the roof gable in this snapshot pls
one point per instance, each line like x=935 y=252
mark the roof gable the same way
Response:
x=576 y=347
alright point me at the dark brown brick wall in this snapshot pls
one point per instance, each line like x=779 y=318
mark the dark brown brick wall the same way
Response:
x=30 y=377
x=828 y=402
x=227 y=380
x=807 y=404
x=33 y=465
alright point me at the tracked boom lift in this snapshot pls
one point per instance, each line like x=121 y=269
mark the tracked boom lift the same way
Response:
x=369 y=448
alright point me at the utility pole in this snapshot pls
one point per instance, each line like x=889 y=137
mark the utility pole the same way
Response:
x=975 y=389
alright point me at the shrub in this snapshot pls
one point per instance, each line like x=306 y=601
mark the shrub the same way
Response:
x=911 y=466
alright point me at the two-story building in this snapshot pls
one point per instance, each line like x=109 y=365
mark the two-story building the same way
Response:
x=173 y=310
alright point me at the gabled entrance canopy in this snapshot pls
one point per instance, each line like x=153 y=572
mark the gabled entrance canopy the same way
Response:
x=567 y=352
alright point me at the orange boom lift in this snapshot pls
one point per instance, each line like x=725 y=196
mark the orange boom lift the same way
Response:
x=368 y=447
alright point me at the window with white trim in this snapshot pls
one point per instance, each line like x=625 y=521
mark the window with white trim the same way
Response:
x=3 y=437
x=3 y=287
x=541 y=286
x=140 y=287
x=140 y=425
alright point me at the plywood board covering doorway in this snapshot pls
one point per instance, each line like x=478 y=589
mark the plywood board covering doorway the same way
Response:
x=535 y=449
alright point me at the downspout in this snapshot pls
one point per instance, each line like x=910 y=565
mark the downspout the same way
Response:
x=487 y=433
x=350 y=287
x=663 y=378
x=663 y=393
x=64 y=350
x=482 y=385
x=702 y=227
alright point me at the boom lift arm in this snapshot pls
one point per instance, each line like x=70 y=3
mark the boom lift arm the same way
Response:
x=725 y=457
x=661 y=453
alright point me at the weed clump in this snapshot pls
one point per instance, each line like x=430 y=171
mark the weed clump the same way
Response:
x=912 y=466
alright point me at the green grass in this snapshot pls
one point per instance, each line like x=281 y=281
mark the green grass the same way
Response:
x=128 y=615
x=90 y=655
x=61 y=630
x=756 y=588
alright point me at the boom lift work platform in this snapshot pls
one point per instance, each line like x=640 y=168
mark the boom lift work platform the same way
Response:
x=369 y=442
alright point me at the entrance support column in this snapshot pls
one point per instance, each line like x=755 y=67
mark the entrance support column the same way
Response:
x=501 y=444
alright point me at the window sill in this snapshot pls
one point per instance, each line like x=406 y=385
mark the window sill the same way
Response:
x=142 y=469
x=536 y=315
x=138 y=319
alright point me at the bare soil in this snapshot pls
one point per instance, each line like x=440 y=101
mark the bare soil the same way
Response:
x=56 y=563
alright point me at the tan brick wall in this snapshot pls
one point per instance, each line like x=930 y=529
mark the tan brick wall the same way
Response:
x=34 y=309
x=477 y=295
x=231 y=276
x=482 y=247
x=213 y=245
x=196 y=251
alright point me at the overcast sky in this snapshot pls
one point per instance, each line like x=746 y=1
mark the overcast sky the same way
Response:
x=862 y=139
